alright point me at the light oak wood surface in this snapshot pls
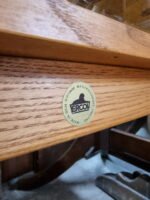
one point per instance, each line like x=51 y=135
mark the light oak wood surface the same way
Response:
x=31 y=93
x=101 y=40
x=14 y=44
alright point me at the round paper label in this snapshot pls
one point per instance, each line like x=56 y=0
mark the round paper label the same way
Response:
x=79 y=104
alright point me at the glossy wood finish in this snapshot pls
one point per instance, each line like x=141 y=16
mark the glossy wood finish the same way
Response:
x=21 y=45
x=92 y=38
x=32 y=90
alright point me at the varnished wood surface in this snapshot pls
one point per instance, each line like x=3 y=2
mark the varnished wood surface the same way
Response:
x=21 y=45
x=106 y=40
x=31 y=93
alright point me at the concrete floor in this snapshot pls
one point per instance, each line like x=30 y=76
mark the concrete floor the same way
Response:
x=77 y=183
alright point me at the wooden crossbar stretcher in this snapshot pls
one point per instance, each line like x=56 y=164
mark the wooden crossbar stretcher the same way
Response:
x=45 y=48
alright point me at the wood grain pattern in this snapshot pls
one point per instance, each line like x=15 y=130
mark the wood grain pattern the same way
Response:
x=62 y=21
x=13 y=44
x=31 y=93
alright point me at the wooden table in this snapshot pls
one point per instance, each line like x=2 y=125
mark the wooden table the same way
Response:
x=45 y=46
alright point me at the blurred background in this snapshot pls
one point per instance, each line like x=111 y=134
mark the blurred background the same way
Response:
x=133 y=12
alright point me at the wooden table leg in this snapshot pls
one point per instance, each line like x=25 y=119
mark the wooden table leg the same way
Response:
x=1 y=189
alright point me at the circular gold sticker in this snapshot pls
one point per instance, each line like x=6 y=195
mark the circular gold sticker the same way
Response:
x=79 y=104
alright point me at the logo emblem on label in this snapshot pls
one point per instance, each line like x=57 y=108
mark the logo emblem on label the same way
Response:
x=79 y=104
